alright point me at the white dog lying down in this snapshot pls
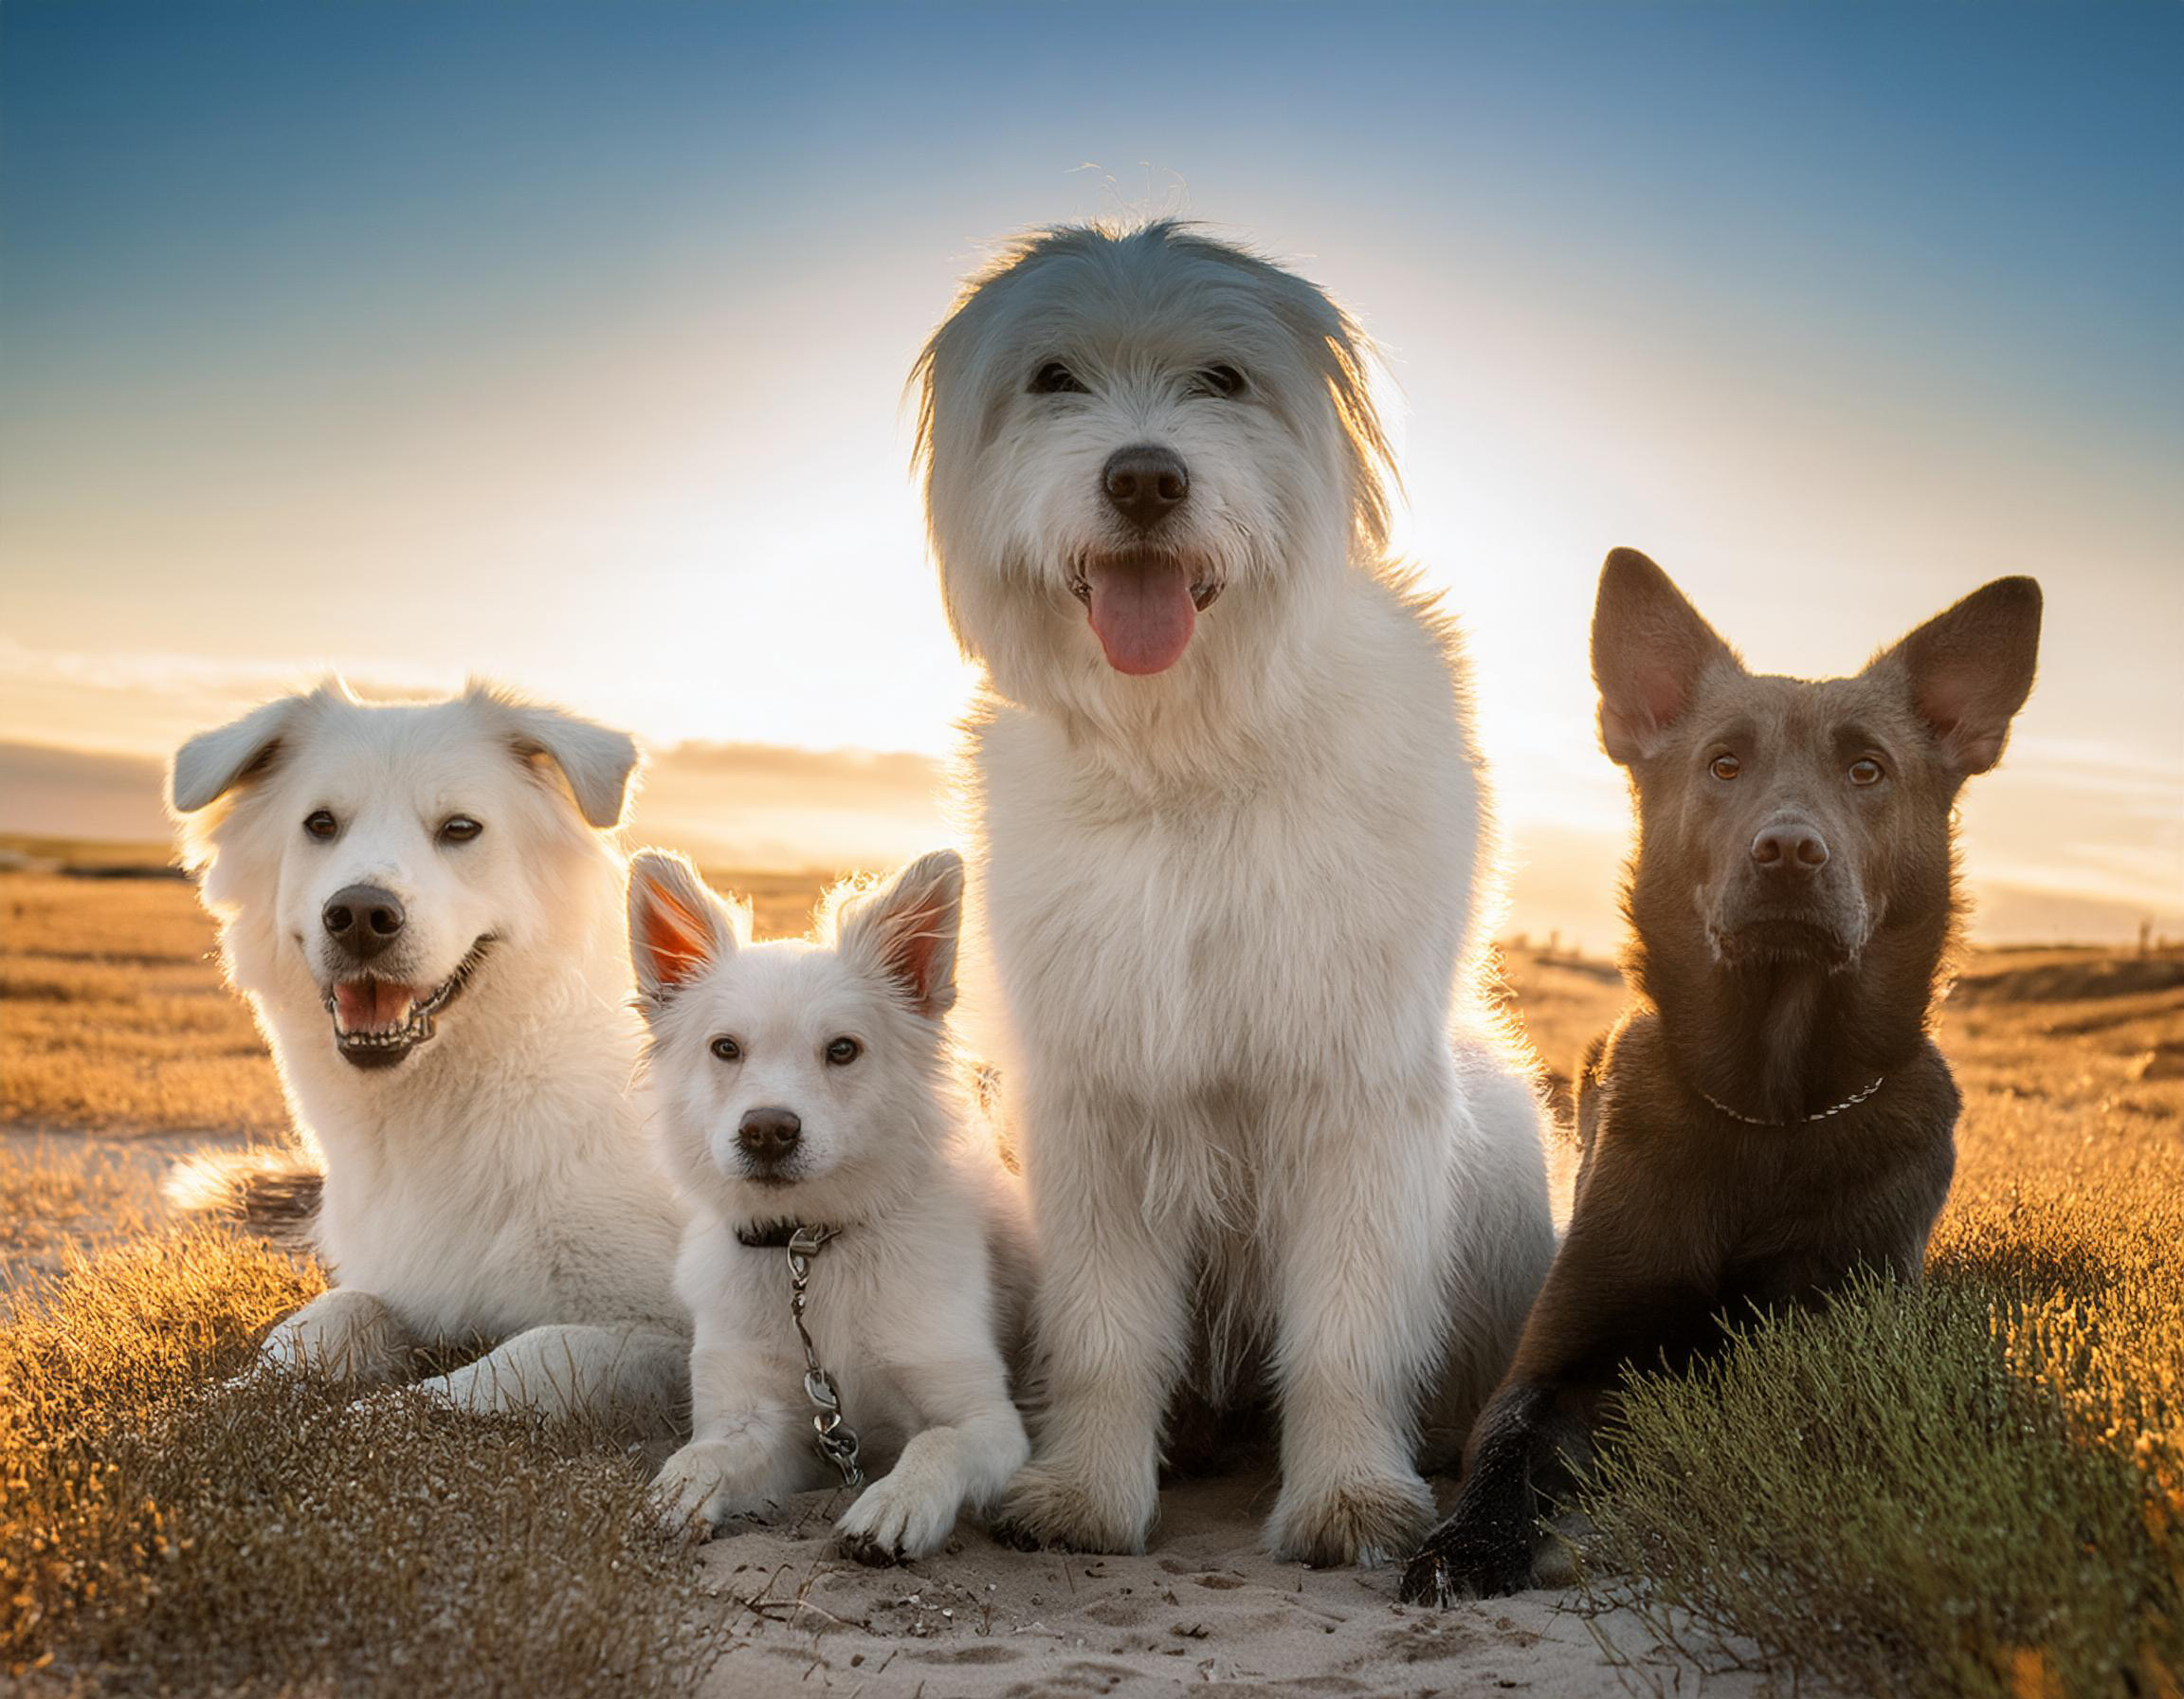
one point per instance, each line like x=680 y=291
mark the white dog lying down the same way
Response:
x=424 y=905
x=810 y=1086
x=1231 y=826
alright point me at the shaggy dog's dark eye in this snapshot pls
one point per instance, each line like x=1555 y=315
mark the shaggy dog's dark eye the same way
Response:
x=1223 y=382
x=459 y=828
x=1865 y=771
x=1725 y=767
x=1054 y=378
x=321 y=824
x=844 y=1051
x=728 y=1050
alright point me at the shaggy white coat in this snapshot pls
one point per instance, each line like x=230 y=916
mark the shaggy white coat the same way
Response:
x=493 y=1183
x=911 y=1306
x=1232 y=908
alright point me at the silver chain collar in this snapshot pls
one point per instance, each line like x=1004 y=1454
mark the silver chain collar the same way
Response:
x=1851 y=1101
x=835 y=1439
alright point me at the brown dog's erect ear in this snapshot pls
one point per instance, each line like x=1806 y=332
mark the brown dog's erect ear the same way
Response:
x=678 y=927
x=212 y=763
x=1970 y=668
x=907 y=930
x=1649 y=650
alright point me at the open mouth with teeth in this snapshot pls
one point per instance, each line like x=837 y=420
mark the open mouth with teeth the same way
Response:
x=1143 y=606
x=377 y=1022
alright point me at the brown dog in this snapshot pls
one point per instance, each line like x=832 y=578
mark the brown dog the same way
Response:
x=1771 y=1115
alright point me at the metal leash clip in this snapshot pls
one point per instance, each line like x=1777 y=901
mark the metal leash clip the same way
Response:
x=835 y=1439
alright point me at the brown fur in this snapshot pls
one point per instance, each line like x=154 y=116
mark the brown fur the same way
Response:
x=1778 y=986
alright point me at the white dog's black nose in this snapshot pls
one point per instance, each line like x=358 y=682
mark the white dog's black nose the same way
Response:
x=769 y=1134
x=1145 y=483
x=363 y=919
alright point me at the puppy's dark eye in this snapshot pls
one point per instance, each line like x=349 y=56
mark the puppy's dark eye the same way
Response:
x=321 y=824
x=1865 y=771
x=1725 y=767
x=1054 y=378
x=727 y=1050
x=1223 y=382
x=459 y=828
x=843 y=1052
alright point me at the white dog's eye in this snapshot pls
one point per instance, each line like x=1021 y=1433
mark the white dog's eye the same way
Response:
x=1223 y=382
x=1054 y=378
x=727 y=1048
x=321 y=824
x=843 y=1052
x=459 y=828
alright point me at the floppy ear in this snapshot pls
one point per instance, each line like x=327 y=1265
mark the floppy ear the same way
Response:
x=212 y=763
x=595 y=760
x=907 y=930
x=677 y=928
x=1970 y=670
x=1649 y=650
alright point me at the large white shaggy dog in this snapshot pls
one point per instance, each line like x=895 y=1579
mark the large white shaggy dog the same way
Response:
x=424 y=905
x=1230 y=816
x=808 y=1086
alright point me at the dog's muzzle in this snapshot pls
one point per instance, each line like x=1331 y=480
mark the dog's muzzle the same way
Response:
x=377 y=1022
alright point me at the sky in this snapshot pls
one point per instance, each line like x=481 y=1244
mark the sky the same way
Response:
x=566 y=344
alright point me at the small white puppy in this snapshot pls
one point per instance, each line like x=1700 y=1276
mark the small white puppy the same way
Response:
x=423 y=901
x=808 y=1084
x=1229 y=813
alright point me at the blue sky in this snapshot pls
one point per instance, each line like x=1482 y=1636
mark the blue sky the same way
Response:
x=566 y=342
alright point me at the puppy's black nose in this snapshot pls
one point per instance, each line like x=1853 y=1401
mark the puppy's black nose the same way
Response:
x=1145 y=483
x=363 y=919
x=768 y=1135
x=1790 y=847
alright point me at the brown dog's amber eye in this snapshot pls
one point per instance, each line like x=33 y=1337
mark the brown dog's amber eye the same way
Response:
x=1726 y=767
x=321 y=824
x=1866 y=772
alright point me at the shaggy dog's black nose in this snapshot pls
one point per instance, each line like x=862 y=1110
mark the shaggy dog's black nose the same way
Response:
x=768 y=1135
x=1790 y=847
x=363 y=919
x=1145 y=483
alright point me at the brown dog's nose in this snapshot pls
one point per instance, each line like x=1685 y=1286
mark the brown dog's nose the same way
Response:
x=1790 y=847
x=363 y=919
x=769 y=1134
x=1145 y=483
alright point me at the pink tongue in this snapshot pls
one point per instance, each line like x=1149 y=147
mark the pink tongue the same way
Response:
x=1142 y=615
x=371 y=1005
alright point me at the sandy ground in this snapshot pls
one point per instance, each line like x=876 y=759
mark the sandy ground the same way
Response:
x=1204 y=1610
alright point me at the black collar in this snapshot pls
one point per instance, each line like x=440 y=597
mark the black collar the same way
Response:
x=769 y=1235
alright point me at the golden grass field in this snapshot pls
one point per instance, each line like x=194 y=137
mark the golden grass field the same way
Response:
x=1976 y=1486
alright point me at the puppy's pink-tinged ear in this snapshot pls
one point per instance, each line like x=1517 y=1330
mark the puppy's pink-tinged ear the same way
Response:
x=677 y=928
x=1970 y=670
x=908 y=928
x=1649 y=650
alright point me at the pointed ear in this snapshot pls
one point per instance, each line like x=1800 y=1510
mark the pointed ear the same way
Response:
x=678 y=927
x=596 y=761
x=212 y=763
x=907 y=930
x=1649 y=650
x=1970 y=670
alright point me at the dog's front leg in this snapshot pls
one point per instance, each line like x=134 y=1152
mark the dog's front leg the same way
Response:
x=971 y=1442
x=345 y=1333
x=746 y=1450
x=1108 y=1329
x=1363 y=1223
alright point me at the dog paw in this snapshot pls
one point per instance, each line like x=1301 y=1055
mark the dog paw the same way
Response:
x=1365 y=1520
x=1459 y=1561
x=691 y=1495
x=893 y=1522
x=1049 y=1509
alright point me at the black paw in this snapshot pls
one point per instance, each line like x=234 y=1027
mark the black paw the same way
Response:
x=1459 y=1563
x=863 y=1550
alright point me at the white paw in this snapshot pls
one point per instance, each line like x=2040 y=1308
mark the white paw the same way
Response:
x=693 y=1495
x=896 y=1520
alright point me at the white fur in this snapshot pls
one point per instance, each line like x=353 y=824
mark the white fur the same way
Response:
x=910 y=1305
x=493 y=1183
x=1232 y=908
